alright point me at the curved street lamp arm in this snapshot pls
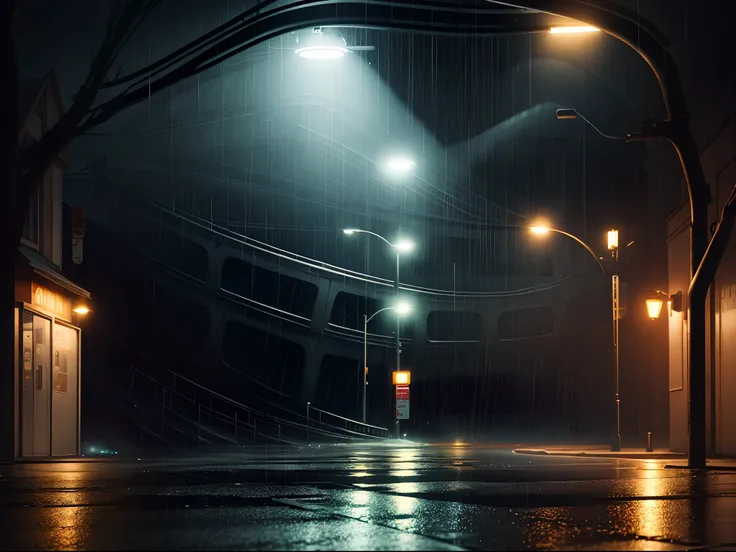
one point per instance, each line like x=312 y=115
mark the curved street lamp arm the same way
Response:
x=585 y=245
x=599 y=131
x=377 y=313
x=380 y=237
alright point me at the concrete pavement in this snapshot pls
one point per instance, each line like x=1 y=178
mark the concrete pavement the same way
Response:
x=369 y=496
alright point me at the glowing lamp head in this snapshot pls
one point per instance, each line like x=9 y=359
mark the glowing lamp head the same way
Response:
x=539 y=230
x=81 y=310
x=612 y=240
x=563 y=114
x=402 y=308
x=401 y=377
x=322 y=46
x=349 y=231
x=322 y=52
x=574 y=29
x=400 y=165
x=404 y=246
x=654 y=308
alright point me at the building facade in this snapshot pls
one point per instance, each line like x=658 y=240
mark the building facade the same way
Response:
x=48 y=306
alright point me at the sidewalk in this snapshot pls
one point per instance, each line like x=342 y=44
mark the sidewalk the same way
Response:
x=602 y=451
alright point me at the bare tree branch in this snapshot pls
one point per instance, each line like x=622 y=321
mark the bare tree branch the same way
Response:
x=41 y=154
x=189 y=49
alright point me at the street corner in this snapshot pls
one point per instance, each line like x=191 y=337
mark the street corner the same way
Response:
x=598 y=452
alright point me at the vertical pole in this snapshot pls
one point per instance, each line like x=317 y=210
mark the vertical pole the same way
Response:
x=307 y=431
x=365 y=363
x=696 y=317
x=398 y=340
x=615 y=307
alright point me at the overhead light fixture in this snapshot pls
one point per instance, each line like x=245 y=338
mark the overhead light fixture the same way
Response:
x=574 y=29
x=320 y=45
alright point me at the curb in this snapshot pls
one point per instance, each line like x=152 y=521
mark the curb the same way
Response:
x=621 y=455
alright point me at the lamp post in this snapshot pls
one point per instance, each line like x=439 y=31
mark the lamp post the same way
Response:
x=400 y=246
x=401 y=308
x=615 y=306
x=615 y=310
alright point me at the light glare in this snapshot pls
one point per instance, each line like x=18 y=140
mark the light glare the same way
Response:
x=403 y=308
x=404 y=246
x=539 y=230
x=574 y=29
x=348 y=231
x=81 y=310
x=401 y=165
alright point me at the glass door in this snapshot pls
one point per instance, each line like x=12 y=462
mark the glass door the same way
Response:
x=65 y=391
x=36 y=397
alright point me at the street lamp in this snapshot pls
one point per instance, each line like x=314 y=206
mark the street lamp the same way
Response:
x=615 y=300
x=322 y=46
x=400 y=246
x=401 y=308
x=655 y=301
x=541 y=230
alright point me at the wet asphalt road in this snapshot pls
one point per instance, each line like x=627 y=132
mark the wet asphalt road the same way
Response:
x=366 y=497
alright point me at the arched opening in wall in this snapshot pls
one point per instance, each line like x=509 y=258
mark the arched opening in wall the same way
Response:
x=173 y=249
x=454 y=326
x=180 y=325
x=271 y=288
x=460 y=391
x=349 y=309
x=339 y=388
x=274 y=362
x=526 y=323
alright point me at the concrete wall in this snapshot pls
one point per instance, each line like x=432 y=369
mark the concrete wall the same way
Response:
x=526 y=358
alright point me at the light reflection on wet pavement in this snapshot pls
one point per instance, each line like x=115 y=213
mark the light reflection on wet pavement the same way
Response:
x=367 y=497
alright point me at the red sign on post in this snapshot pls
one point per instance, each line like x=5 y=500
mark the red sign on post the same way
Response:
x=402 y=392
x=78 y=223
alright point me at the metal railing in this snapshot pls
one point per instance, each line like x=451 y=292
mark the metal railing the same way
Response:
x=214 y=416
x=353 y=426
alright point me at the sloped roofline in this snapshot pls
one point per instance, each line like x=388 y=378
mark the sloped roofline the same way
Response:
x=50 y=83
